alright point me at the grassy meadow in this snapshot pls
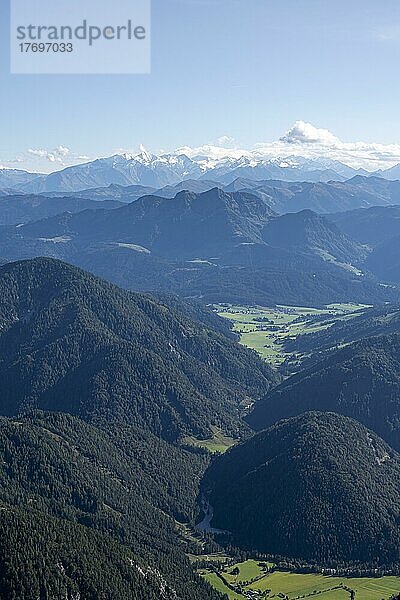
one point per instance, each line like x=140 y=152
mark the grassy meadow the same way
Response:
x=254 y=579
x=265 y=329
x=218 y=444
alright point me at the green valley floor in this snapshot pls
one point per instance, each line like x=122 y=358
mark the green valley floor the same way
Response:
x=253 y=580
x=266 y=329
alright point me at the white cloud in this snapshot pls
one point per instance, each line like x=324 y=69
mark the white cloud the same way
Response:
x=307 y=141
x=305 y=133
x=211 y=153
x=59 y=154
x=225 y=141
x=301 y=140
x=45 y=160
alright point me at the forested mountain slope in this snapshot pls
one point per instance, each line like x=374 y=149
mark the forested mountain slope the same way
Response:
x=370 y=226
x=306 y=231
x=83 y=512
x=319 y=486
x=374 y=321
x=94 y=506
x=77 y=344
x=361 y=380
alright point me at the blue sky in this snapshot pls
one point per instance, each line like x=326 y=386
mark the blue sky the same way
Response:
x=247 y=69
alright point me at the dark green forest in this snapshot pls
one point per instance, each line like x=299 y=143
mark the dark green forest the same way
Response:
x=361 y=380
x=138 y=375
x=92 y=510
x=75 y=343
x=103 y=390
x=319 y=486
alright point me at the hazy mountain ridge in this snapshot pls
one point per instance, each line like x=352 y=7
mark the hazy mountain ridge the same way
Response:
x=379 y=228
x=209 y=246
x=169 y=169
x=307 y=230
x=282 y=196
x=19 y=209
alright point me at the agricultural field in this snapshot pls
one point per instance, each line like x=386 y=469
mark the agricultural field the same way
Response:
x=246 y=571
x=266 y=329
x=218 y=444
x=219 y=585
x=253 y=579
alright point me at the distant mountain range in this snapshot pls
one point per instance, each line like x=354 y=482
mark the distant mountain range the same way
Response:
x=324 y=198
x=218 y=246
x=372 y=226
x=169 y=169
x=378 y=228
x=15 y=178
x=214 y=241
x=281 y=196
x=20 y=209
